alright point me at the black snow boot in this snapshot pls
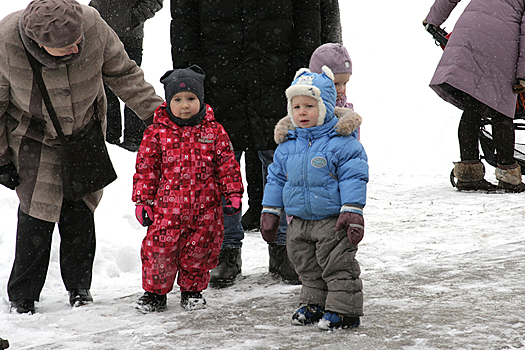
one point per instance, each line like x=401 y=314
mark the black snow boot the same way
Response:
x=228 y=269
x=192 y=301
x=79 y=297
x=4 y=344
x=151 y=302
x=470 y=177
x=280 y=265
x=23 y=306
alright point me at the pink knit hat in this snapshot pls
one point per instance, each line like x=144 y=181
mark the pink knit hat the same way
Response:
x=334 y=56
x=53 y=23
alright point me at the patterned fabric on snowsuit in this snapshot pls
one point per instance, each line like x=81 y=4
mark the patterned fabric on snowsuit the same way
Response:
x=184 y=171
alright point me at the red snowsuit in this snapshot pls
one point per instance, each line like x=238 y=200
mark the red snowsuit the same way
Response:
x=184 y=171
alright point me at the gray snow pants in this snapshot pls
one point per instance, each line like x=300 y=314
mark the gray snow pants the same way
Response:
x=325 y=260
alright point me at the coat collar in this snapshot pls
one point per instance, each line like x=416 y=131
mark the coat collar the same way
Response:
x=347 y=122
x=161 y=117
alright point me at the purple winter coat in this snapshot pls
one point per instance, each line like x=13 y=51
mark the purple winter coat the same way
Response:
x=485 y=53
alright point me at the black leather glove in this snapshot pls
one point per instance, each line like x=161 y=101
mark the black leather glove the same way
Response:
x=519 y=87
x=9 y=176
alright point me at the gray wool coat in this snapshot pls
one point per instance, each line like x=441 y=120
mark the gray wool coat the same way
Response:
x=485 y=54
x=27 y=136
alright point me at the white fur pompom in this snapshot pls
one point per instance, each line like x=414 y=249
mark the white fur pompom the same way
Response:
x=301 y=71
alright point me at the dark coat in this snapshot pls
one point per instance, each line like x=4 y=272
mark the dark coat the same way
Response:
x=125 y=18
x=250 y=51
x=485 y=54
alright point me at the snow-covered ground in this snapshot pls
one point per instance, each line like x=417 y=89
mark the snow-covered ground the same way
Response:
x=441 y=269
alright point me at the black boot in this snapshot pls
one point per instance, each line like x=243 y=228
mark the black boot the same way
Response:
x=23 y=306
x=4 y=344
x=229 y=268
x=79 y=297
x=151 y=302
x=280 y=265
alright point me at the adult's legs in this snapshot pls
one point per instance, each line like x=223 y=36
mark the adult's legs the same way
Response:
x=77 y=244
x=470 y=172
x=468 y=130
x=233 y=230
x=32 y=252
x=254 y=179
x=508 y=171
x=504 y=137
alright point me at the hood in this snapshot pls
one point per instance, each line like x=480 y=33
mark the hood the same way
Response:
x=347 y=122
x=318 y=86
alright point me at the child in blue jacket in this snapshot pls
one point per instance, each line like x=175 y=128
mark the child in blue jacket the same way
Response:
x=319 y=177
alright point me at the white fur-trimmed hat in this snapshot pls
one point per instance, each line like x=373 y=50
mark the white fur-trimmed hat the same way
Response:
x=319 y=86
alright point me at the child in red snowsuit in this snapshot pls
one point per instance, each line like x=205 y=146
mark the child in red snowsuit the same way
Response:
x=184 y=164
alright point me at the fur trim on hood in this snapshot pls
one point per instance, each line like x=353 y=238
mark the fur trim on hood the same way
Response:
x=348 y=122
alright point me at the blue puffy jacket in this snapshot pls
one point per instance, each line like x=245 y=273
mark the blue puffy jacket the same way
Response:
x=317 y=170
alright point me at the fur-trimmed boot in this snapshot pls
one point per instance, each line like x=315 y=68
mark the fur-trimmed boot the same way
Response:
x=470 y=176
x=509 y=177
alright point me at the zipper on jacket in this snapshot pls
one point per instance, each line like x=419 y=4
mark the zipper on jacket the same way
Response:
x=305 y=171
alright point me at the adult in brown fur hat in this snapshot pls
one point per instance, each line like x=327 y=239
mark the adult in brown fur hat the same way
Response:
x=78 y=53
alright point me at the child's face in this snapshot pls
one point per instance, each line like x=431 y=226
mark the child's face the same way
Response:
x=340 y=84
x=185 y=105
x=305 y=111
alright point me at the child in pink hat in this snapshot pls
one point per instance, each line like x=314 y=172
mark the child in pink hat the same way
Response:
x=335 y=57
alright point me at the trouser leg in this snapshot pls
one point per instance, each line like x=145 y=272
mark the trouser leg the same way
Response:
x=331 y=270
x=504 y=137
x=302 y=252
x=254 y=179
x=32 y=252
x=233 y=230
x=77 y=244
x=468 y=131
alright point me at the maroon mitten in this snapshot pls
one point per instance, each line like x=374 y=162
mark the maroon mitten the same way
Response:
x=353 y=224
x=144 y=214
x=269 y=226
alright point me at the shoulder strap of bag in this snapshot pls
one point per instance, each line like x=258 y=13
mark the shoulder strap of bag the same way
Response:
x=37 y=74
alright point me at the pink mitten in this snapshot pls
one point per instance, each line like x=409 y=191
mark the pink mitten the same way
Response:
x=353 y=224
x=233 y=206
x=269 y=226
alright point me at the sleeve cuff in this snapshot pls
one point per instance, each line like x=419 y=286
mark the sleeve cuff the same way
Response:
x=273 y=210
x=349 y=208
